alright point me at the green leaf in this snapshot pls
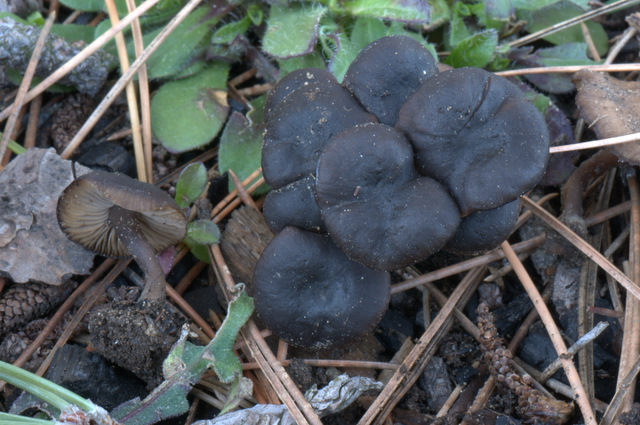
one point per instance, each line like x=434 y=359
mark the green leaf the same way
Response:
x=227 y=33
x=191 y=183
x=457 y=30
x=475 y=51
x=561 y=11
x=440 y=14
x=182 y=45
x=498 y=9
x=84 y=5
x=203 y=232
x=74 y=32
x=255 y=14
x=241 y=144
x=531 y=4
x=292 y=30
x=412 y=11
x=184 y=366
x=312 y=60
x=189 y=113
x=36 y=18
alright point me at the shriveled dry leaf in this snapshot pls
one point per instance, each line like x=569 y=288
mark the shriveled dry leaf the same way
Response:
x=611 y=108
x=32 y=246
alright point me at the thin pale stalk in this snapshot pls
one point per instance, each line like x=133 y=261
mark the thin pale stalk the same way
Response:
x=82 y=55
x=32 y=125
x=554 y=333
x=145 y=101
x=24 y=85
x=132 y=102
x=570 y=69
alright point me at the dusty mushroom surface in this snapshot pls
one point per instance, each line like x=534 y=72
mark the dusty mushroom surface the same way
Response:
x=310 y=294
x=478 y=134
x=375 y=205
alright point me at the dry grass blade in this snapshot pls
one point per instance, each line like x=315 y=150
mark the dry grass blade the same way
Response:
x=145 y=98
x=631 y=339
x=126 y=77
x=408 y=373
x=554 y=334
x=84 y=54
x=613 y=410
x=583 y=246
x=282 y=383
x=633 y=137
x=570 y=22
x=570 y=69
x=24 y=85
x=132 y=102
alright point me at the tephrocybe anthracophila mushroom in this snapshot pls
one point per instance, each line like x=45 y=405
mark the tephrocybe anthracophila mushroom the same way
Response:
x=116 y=216
x=466 y=145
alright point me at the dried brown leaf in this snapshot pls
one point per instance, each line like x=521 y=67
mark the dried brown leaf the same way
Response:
x=32 y=246
x=611 y=108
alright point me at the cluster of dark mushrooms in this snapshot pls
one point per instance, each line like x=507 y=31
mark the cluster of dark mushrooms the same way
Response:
x=379 y=172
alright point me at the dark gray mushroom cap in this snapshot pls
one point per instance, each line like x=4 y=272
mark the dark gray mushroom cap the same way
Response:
x=308 y=293
x=478 y=134
x=375 y=205
x=84 y=206
x=301 y=125
x=484 y=230
x=387 y=72
x=293 y=81
x=293 y=205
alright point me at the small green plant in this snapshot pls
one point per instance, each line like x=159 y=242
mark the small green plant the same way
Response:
x=200 y=233
x=183 y=367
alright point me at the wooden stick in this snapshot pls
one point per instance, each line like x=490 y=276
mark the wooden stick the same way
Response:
x=554 y=334
x=24 y=85
x=82 y=55
x=132 y=102
x=583 y=246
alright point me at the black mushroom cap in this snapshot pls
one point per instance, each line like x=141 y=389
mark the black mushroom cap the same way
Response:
x=85 y=206
x=293 y=81
x=484 y=230
x=477 y=133
x=308 y=293
x=293 y=205
x=301 y=125
x=375 y=205
x=387 y=72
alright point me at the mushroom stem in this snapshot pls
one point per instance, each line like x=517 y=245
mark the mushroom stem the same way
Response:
x=129 y=233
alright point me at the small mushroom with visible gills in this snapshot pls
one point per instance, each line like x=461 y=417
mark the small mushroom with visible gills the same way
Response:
x=308 y=293
x=116 y=216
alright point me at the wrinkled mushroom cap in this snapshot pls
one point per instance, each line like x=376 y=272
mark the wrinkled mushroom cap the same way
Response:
x=83 y=213
x=478 y=134
x=293 y=81
x=293 y=205
x=484 y=230
x=308 y=293
x=375 y=205
x=387 y=72
x=301 y=125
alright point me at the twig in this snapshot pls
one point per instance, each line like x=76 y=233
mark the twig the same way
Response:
x=570 y=22
x=32 y=125
x=84 y=54
x=579 y=344
x=612 y=411
x=631 y=340
x=24 y=85
x=570 y=69
x=222 y=204
x=628 y=34
x=465 y=265
x=582 y=245
x=145 y=102
x=132 y=102
x=282 y=383
x=416 y=361
x=331 y=363
x=554 y=333
x=242 y=192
